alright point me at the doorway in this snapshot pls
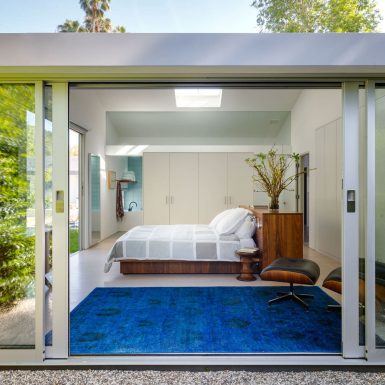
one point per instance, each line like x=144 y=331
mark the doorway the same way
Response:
x=305 y=196
x=75 y=157
x=110 y=164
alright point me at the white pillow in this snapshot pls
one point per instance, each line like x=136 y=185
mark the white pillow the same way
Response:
x=218 y=217
x=231 y=222
x=247 y=228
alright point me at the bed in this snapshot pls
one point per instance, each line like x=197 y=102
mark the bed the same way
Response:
x=187 y=249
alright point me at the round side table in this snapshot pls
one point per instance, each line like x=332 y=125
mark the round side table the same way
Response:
x=248 y=259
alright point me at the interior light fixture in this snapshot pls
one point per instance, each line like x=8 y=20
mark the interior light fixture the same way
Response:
x=118 y=150
x=137 y=150
x=198 y=97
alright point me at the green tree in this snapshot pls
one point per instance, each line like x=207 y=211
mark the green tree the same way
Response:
x=16 y=242
x=317 y=15
x=94 y=19
x=71 y=26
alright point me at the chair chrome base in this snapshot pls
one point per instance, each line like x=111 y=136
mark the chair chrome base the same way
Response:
x=293 y=296
x=334 y=308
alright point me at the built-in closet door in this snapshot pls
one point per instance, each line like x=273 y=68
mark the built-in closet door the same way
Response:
x=328 y=188
x=183 y=188
x=156 y=187
x=212 y=185
x=239 y=180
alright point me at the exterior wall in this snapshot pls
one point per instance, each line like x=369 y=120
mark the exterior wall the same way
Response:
x=54 y=56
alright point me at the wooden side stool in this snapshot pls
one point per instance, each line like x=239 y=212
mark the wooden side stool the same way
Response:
x=248 y=257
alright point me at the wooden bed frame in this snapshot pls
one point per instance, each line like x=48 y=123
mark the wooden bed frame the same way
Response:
x=178 y=267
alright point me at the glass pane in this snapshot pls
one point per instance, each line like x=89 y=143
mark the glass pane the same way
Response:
x=17 y=216
x=362 y=211
x=74 y=186
x=94 y=167
x=48 y=199
x=380 y=218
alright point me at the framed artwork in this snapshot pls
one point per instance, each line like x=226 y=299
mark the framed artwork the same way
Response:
x=111 y=180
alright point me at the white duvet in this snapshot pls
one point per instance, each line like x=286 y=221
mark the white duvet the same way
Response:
x=177 y=242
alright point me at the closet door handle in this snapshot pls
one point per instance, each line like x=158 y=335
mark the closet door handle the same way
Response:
x=225 y=200
x=166 y=200
x=172 y=199
x=230 y=200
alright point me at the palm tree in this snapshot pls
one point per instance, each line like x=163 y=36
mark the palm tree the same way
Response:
x=94 y=19
x=70 y=26
x=119 y=29
x=95 y=10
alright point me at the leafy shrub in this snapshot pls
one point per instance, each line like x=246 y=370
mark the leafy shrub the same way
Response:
x=17 y=260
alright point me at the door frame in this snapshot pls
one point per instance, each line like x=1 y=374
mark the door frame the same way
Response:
x=350 y=222
x=59 y=349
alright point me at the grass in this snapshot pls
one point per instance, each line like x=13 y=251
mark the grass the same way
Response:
x=74 y=240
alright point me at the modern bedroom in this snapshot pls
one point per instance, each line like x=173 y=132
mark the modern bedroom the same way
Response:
x=178 y=245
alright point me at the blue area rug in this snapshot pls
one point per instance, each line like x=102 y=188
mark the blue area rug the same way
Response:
x=202 y=320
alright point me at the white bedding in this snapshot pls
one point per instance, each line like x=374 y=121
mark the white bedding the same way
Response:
x=181 y=242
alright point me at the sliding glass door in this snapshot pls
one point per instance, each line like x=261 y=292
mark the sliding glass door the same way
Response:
x=374 y=278
x=21 y=222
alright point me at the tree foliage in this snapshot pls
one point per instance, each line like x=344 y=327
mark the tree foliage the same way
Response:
x=94 y=19
x=16 y=141
x=317 y=15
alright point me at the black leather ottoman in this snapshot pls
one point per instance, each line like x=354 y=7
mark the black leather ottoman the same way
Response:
x=333 y=282
x=292 y=270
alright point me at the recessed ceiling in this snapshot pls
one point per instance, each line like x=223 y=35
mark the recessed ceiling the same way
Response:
x=195 y=128
x=164 y=99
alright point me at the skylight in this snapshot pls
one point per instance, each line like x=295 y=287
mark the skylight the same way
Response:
x=198 y=97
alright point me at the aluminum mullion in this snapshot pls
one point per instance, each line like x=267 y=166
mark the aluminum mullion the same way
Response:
x=350 y=222
x=370 y=269
x=59 y=347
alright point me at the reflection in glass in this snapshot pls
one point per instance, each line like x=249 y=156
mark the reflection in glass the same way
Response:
x=74 y=190
x=94 y=171
x=362 y=217
x=48 y=199
x=17 y=216
x=380 y=217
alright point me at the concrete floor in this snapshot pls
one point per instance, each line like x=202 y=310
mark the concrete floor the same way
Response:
x=86 y=273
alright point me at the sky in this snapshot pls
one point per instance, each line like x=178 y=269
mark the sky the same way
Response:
x=232 y=16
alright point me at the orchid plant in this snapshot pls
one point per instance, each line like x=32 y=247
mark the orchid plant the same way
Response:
x=271 y=169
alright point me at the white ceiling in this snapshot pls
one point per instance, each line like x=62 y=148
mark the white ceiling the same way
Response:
x=258 y=117
x=164 y=99
x=200 y=127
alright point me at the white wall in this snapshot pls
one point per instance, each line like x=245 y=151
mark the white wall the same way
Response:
x=90 y=115
x=314 y=109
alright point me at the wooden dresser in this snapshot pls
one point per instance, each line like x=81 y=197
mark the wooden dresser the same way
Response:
x=279 y=234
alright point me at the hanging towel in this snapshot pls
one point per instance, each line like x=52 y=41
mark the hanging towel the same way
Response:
x=119 y=202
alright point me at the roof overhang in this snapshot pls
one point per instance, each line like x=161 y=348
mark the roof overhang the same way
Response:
x=135 y=56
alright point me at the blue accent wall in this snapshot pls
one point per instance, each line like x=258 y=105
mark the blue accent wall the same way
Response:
x=134 y=191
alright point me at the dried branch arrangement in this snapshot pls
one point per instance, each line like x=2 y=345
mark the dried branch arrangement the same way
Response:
x=271 y=168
